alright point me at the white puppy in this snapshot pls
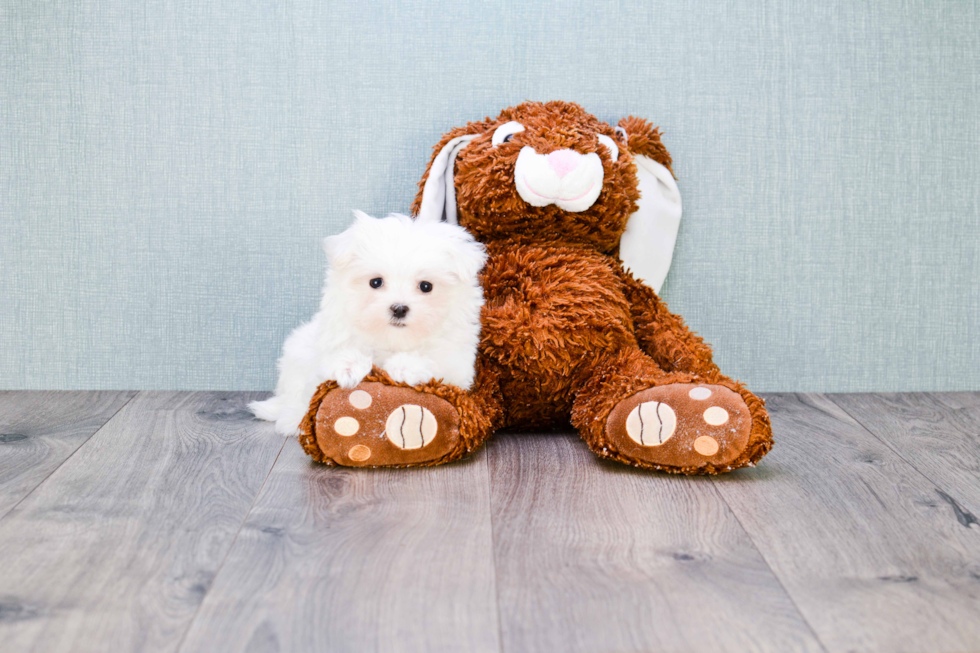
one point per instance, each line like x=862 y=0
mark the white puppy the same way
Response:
x=402 y=295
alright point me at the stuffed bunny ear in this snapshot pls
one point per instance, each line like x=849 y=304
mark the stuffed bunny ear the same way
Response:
x=439 y=193
x=647 y=246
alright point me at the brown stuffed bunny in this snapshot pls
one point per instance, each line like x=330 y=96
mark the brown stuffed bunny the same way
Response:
x=563 y=203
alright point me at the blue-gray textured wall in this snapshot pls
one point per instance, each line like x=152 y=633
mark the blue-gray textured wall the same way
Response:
x=167 y=170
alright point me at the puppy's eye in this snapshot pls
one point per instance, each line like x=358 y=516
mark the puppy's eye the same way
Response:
x=377 y=282
x=610 y=145
x=425 y=286
x=505 y=132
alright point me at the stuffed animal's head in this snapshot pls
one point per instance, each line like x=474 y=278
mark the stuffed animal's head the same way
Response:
x=552 y=174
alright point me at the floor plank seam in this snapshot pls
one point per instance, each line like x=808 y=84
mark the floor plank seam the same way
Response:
x=135 y=394
x=769 y=566
x=231 y=547
x=779 y=580
x=944 y=493
x=493 y=549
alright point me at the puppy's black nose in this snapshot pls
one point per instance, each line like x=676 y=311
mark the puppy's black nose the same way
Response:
x=399 y=310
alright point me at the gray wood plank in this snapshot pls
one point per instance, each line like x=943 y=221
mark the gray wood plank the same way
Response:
x=969 y=399
x=116 y=549
x=937 y=434
x=40 y=430
x=338 y=559
x=871 y=553
x=596 y=556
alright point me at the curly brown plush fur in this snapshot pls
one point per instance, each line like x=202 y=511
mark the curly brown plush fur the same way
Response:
x=568 y=334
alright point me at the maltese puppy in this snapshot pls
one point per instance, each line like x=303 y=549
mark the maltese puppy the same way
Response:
x=399 y=294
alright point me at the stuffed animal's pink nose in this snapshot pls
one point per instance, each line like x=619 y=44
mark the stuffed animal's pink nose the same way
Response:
x=564 y=161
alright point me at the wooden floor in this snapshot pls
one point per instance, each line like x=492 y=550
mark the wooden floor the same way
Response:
x=175 y=522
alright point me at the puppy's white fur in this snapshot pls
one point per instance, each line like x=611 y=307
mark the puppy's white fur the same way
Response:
x=356 y=326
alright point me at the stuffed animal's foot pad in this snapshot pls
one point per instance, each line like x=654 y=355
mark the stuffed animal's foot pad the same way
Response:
x=681 y=425
x=377 y=425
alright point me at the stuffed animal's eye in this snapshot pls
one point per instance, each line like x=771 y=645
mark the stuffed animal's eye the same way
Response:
x=425 y=286
x=377 y=282
x=610 y=145
x=504 y=133
x=622 y=134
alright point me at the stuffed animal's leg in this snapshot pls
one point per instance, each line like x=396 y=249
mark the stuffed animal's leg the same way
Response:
x=381 y=423
x=633 y=411
x=663 y=335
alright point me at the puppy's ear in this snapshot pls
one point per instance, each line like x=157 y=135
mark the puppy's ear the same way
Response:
x=467 y=258
x=436 y=199
x=360 y=217
x=339 y=250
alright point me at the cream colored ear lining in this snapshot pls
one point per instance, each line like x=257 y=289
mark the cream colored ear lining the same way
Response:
x=647 y=245
x=439 y=193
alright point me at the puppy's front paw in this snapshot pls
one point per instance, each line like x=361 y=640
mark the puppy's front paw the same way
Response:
x=349 y=376
x=409 y=368
x=348 y=369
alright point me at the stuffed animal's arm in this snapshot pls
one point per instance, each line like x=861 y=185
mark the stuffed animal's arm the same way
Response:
x=663 y=335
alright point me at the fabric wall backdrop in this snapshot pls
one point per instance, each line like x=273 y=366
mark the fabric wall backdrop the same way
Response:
x=167 y=170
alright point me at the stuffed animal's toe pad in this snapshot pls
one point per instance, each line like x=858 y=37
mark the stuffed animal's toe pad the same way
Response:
x=681 y=425
x=377 y=425
x=411 y=426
